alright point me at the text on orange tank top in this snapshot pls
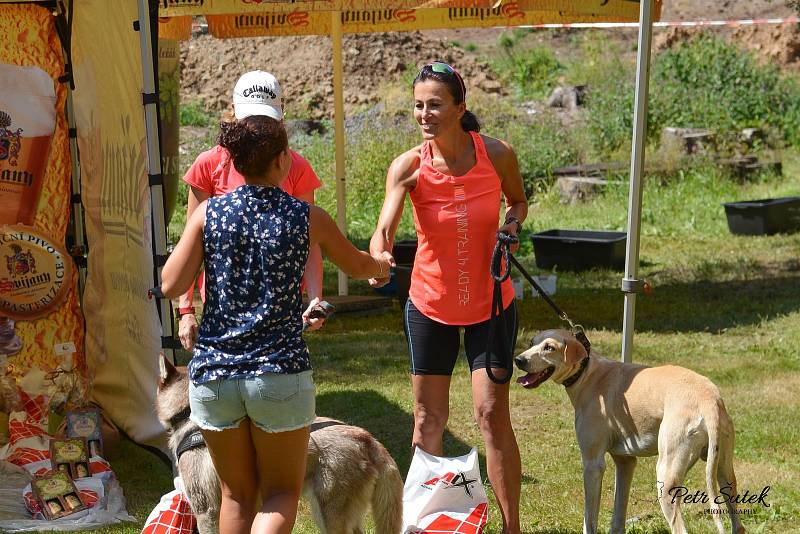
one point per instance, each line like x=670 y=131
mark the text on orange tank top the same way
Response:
x=457 y=218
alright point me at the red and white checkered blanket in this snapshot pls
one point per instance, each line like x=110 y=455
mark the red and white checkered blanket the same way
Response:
x=172 y=515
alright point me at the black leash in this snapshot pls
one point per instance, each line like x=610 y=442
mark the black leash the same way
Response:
x=500 y=275
x=502 y=252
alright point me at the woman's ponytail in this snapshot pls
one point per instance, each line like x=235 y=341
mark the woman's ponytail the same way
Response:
x=469 y=122
x=253 y=143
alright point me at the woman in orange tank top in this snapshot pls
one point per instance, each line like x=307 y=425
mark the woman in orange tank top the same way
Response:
x=456 y=180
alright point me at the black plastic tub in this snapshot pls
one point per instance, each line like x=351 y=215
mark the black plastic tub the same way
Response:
x=404 y=251
x=764 y=217
x=578 y=250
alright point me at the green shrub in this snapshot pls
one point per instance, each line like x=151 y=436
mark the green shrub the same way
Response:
x=709 y=83
x=193 y=113
x=610 y=115
x=602 y=66
x=704 y=83
x=531 y=72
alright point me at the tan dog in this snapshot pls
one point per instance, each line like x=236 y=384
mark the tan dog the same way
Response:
x=348 y=470
x=632 y=410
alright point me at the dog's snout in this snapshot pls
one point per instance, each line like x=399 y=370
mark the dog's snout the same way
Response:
x=519 y=360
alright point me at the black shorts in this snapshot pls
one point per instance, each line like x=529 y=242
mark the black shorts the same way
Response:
x=433 y=346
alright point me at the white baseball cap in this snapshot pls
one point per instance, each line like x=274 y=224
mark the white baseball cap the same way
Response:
x=257 y=93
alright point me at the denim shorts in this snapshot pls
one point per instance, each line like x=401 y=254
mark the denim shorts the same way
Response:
x=275 y=402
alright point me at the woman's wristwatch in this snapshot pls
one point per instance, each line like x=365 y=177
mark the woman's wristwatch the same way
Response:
x=512 y=219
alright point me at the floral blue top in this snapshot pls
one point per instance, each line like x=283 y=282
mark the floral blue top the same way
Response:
x=255 y=244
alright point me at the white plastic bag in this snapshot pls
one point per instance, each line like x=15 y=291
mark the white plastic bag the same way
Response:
x=444 y=495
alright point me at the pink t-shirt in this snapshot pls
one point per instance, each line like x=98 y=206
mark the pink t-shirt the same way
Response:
x=213 y=173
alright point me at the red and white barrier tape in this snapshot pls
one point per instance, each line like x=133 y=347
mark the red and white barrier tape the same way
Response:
x=667 y=24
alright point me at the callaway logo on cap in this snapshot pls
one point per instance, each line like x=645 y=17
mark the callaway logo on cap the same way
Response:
x=257 y=93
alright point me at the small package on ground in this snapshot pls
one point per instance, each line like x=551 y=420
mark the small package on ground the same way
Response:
x=71 y=456
x=57 y=495
x=87 y=423
x=444 y=495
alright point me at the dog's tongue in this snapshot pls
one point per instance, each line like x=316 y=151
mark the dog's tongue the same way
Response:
x=530 y=380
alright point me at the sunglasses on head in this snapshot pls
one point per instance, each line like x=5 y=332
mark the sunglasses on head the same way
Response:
x=444 y=68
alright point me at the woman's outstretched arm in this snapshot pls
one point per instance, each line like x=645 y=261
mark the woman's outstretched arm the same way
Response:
x=184 y=263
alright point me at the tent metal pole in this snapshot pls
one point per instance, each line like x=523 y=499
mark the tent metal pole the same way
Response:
x=149 y=98
x=338 y=107
x=77 y=204
x=79 y=250
x=630 y=284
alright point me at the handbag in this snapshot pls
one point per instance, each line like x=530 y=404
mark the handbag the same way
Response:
x=444 y=495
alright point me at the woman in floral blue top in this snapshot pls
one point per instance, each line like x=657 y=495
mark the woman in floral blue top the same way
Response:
x=251 y=387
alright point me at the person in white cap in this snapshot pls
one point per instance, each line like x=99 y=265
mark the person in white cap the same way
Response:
x=213 y=174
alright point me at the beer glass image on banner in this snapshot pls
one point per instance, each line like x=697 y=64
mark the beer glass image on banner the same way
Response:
x=27 y=123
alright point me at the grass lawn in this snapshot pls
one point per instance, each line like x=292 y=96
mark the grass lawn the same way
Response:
x=726 y=306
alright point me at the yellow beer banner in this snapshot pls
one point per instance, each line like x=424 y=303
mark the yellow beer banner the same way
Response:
x=175 y=28
x=387 y=20
x=169 y=82
x=29 y=39
x=227 y=7
x=609 y=10
x=123 y=330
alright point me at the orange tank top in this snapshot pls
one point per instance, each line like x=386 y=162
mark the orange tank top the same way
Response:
x=457 y=218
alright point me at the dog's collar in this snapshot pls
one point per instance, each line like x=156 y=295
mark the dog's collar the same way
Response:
x=574 y=378
x=179 y=417
x=192 y=440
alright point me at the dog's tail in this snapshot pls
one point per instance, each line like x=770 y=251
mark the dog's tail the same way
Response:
x=387 y=498
x=712 y=421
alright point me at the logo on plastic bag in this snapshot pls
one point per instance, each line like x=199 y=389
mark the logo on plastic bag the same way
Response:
x=453 y=481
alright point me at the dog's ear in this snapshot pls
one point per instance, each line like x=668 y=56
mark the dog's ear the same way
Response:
x=166 y=371
x=574 y=351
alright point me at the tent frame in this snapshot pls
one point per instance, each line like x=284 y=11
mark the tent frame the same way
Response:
x=148 y=20
x=630 y=286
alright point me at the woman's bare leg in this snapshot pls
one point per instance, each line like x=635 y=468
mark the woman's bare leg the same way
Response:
x=503 y=464
x=235 y=461
x=431 y=410
x=281 y=470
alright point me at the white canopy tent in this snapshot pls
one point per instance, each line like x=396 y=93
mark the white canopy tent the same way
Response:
x=111 y=57
x=226 y=19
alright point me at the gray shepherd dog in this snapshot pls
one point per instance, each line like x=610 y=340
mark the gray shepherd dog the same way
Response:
x=348 y=470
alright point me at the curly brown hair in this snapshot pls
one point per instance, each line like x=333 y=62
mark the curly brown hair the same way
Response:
x=253 y=142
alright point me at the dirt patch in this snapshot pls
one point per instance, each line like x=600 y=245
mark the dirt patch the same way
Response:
x=723 y=10
x=211 y=66
x=303 y=65
x=771 y=43
x=777 y=43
